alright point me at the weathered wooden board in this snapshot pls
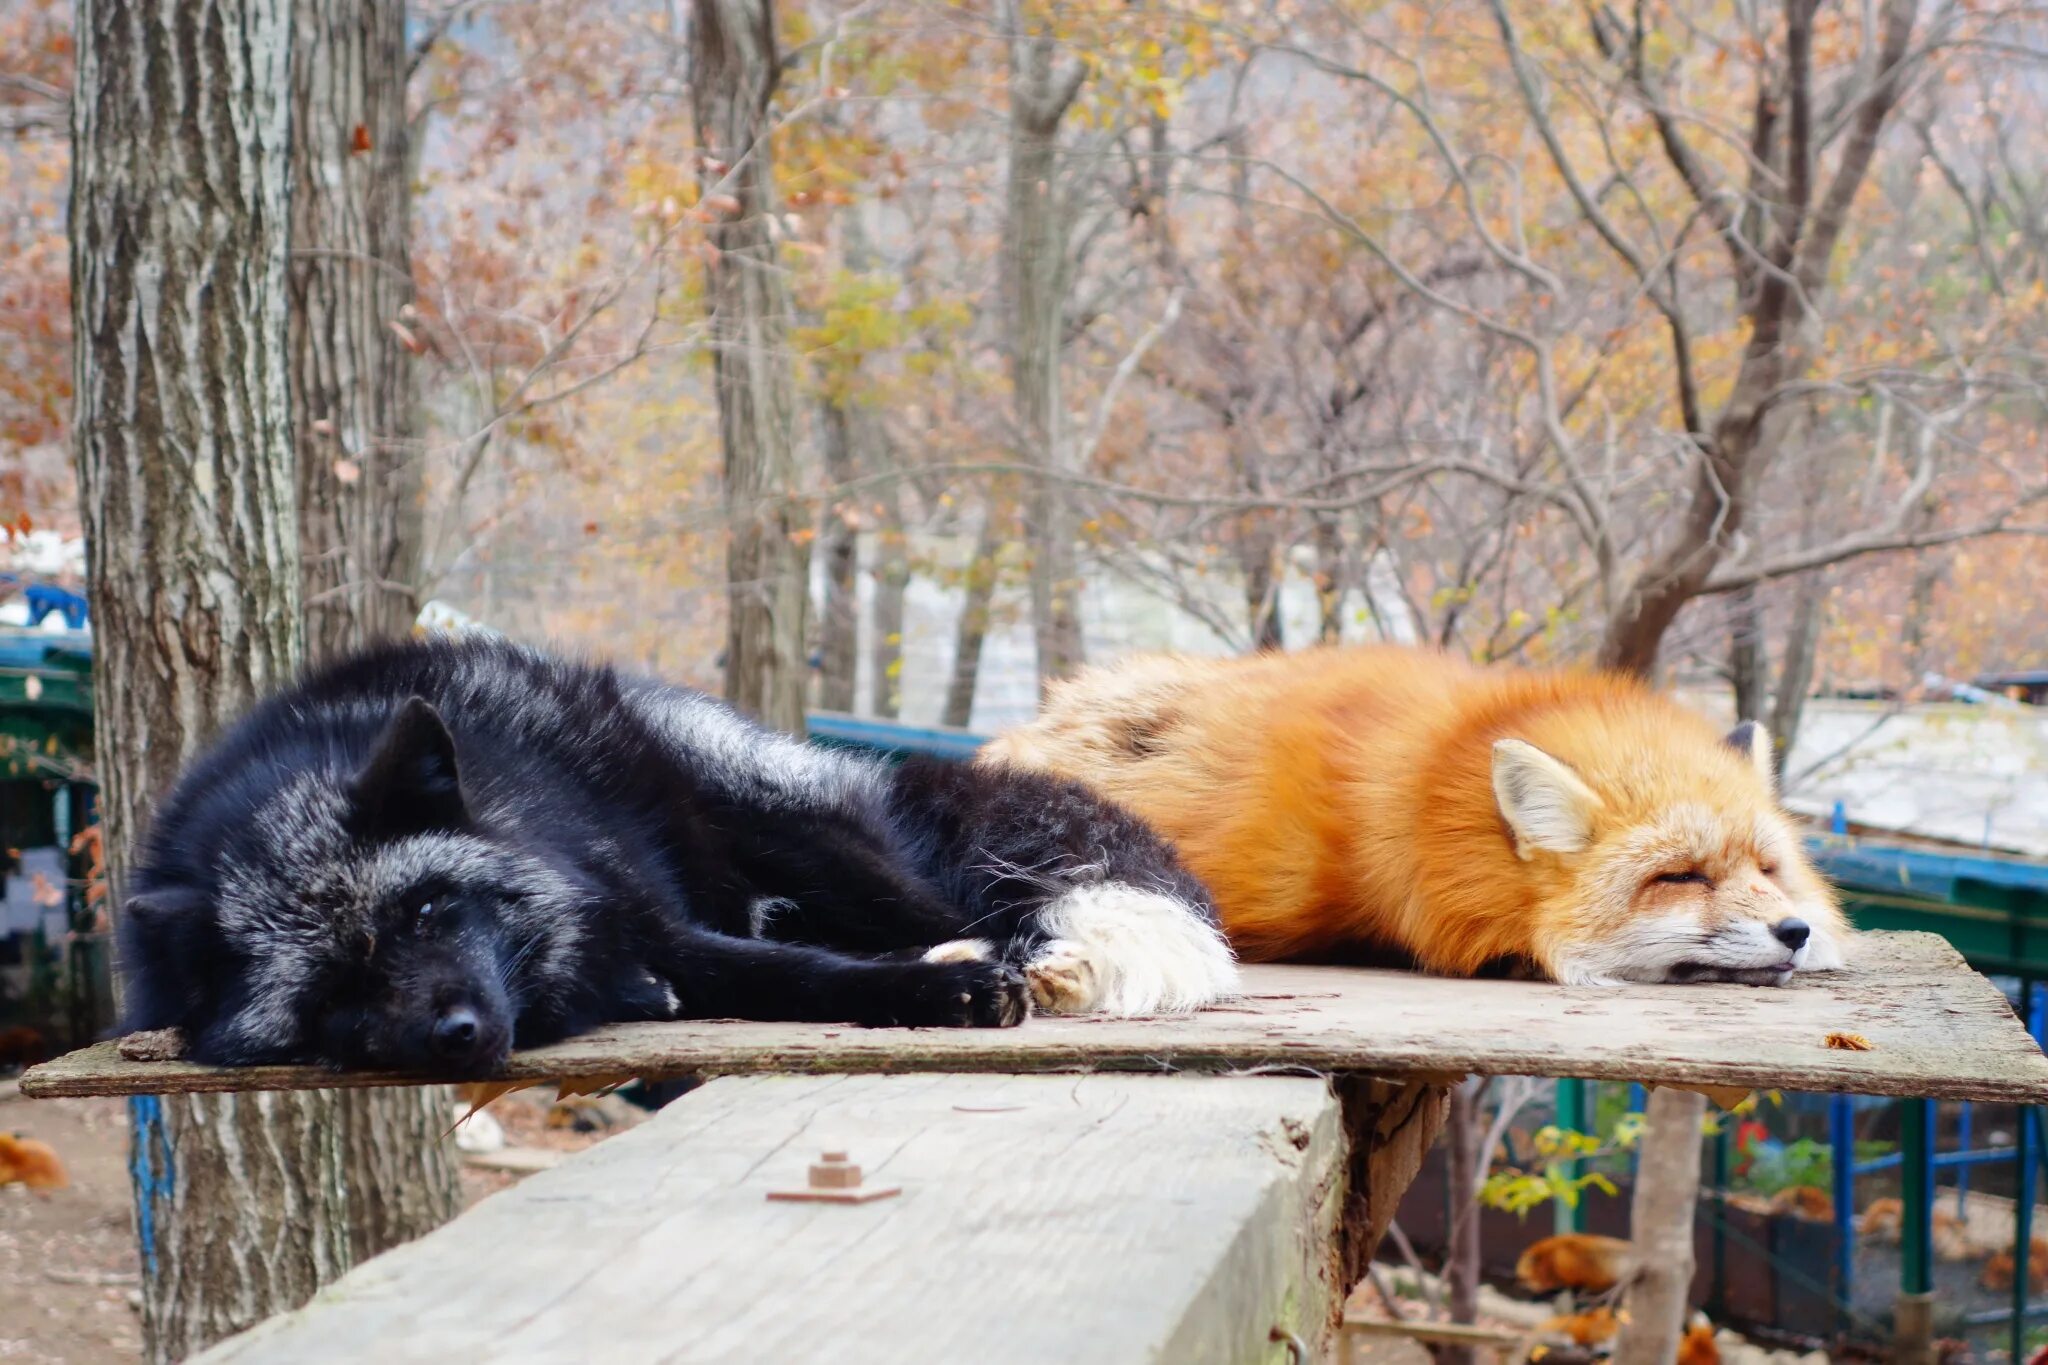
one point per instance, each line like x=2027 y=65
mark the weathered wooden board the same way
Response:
x=1937 y=1029
x=1112 y=1219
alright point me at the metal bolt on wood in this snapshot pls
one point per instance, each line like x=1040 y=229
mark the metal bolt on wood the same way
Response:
x=835 y=1180
x=835 y=1172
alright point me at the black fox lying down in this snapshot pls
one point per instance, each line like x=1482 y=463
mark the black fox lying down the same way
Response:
x=425 y=855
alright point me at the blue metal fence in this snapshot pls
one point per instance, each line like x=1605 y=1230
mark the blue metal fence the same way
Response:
x=1917 y=1161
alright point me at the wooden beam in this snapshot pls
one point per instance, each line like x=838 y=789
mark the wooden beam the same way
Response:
x=1936 y=1029
x=1111 y=1219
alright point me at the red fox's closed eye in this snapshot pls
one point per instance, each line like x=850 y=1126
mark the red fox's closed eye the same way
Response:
x=1681 y=878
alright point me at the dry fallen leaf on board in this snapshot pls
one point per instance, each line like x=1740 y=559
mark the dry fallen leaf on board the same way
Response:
x=1850 y=1042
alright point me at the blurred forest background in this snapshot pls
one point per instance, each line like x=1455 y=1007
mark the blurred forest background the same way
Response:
x=1705 y=338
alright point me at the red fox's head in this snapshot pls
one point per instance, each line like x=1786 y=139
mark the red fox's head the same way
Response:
x=1657 y=853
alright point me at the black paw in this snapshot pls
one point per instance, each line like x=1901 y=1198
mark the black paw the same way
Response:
x=952 y=995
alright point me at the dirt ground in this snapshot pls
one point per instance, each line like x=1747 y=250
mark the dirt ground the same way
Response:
x=68 y=1284
x=67 y=1259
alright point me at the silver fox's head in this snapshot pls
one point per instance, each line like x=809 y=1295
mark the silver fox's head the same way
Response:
x=364 y=920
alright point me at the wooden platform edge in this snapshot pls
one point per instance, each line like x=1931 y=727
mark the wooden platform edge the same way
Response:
x=99 y=1070
x=1937 y=1029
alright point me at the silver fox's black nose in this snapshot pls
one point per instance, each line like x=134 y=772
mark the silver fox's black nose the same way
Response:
x=455 y=1032
x=1793 y=933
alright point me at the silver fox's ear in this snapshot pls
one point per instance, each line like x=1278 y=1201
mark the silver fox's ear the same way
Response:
x=1753 y=742
x=1543 y=801
x=410 y=785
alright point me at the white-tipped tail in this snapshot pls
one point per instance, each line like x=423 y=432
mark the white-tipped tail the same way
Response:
x=1122 y=949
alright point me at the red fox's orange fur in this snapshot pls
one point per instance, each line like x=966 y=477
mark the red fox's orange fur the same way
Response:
x=1697 y=1346
x=30 y=1163
x=1579 y=1261
x=1998 y=1270
x=1590 y=1328
x=1394 y=797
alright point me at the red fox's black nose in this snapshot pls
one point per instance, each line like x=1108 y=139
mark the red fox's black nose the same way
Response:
x=1793 y=933
x=455 y=1031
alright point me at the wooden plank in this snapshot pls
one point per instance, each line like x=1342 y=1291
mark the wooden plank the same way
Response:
x=1937 y=1029
x=1112 y=1219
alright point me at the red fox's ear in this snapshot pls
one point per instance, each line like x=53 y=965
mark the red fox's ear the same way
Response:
x=1754 y=742
x=1543 y=801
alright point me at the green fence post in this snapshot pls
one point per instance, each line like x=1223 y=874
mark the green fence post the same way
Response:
x=1913 y=1318
x=1574 y=1112
x=1717 y=1290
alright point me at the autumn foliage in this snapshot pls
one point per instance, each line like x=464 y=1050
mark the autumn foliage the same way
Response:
x=1442 y=311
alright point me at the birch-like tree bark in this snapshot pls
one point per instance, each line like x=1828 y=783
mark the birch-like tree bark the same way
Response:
x=734 y=67
x=180 y=220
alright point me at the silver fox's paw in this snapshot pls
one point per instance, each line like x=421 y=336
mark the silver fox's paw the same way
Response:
x=1126 y=949
x=957 y=995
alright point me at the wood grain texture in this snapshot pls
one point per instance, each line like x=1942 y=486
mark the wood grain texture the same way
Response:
x=1937 y=1029
x=1112 y=1219
x=1389 y=1126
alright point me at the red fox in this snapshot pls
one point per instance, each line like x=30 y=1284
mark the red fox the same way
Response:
x=1382 y=797
x=1578 y=1261
x=1697 y=1346
x=31 y=1163
x=1805 y=1201
x=1997 y=1274
x=1590 y=1328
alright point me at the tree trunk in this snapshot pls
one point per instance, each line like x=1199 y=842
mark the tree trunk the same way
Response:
x=241 y=1211
x=972 y=628
x=354 y=398
x=853 y=444
x=1332 y=579
x=839 y=538
x=181 y=190
x=892 y=581
x=1255 y=557
x=355 y=410
x=1036 y=273
x=1748 y=665
x=1795 y=674
x=1919 y=608
x=1463 y=1131
x=1667 y=1193
x=401 y=1176
x=734 y=66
